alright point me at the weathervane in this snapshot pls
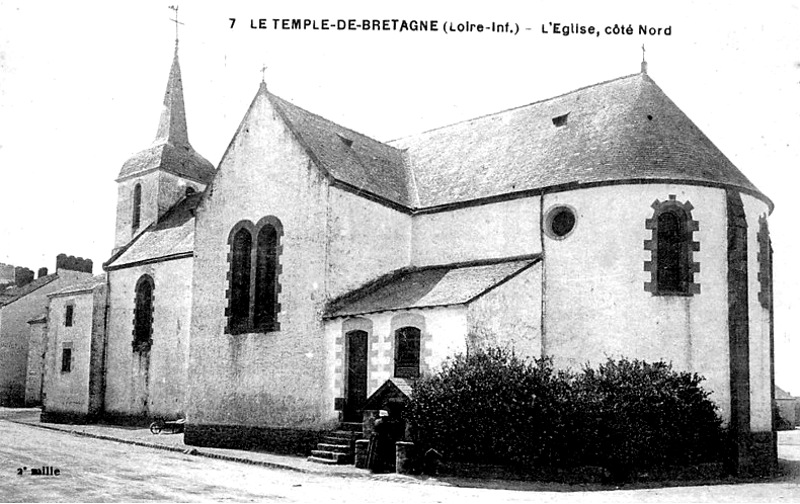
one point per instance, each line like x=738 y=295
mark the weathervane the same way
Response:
x=642 y=52
x=175 y=8
x=644 y=62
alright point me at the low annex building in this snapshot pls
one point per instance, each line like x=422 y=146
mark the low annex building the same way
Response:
x=26 y=300
x=267 y=299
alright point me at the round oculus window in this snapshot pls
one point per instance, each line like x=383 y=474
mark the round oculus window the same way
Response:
x=560 y=222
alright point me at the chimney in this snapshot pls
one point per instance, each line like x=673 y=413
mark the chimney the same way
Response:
x=22 y=276
x=72 y=263
x=42 y=272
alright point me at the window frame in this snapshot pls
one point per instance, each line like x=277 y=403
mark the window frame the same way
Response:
x=66 y=359
x=264 y=270
x=679 y=264
x=143 y=322
x=69 y=314
x=136 y=217
x=405 y=366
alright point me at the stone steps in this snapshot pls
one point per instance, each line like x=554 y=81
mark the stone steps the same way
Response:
x=338 y=447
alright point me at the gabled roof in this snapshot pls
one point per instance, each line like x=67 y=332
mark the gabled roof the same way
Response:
x=782 y=394
x=624 y=130
x=8 y=296
x=86 y=285
x=172 y=237
x=393 y=389
x=621 y=130
x=171 y=150
x=429 y=286
x=348 y=156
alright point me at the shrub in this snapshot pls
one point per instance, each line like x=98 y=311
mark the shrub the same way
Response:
x=643 y=415
x=491 y=406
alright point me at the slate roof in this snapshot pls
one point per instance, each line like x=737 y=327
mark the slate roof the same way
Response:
x=171 y=150
x=81 y=286
x=172 y=235
x=623 y=129
x=429 y=286
x=349 y=156
x=8 y=296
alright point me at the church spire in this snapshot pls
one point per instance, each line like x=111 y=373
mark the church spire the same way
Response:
x=172 y=126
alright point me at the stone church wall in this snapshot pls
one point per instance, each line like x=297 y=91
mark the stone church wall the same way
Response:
x=759 y=324
x=150 y=383
x=270 y=381
x=365 y=240
x=503 y=229
x=509 y=316
x=594 y=285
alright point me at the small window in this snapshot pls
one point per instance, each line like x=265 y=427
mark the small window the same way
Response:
x=561 y=120
x=560 y=222
x=137 y=206
x=143 y=314
x=66 y=360
x=406 y=364
x=70 y=309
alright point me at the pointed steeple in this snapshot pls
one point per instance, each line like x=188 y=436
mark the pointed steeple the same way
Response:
x=172 y=126
x=171 y=150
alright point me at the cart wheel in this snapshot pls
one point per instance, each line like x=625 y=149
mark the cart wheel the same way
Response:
x=156 y=427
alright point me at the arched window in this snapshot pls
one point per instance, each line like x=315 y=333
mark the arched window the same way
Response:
x=137 y=206
x=266 y=300
x=671 y=267
x=254 y=277
x=143 y=314
x=407 y=351
x=240 y=278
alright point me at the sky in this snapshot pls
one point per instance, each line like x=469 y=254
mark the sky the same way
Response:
x=81 y=87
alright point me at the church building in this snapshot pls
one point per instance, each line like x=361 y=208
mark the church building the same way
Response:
x=267 y=299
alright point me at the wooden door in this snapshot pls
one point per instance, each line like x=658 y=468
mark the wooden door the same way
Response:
x=356 y=375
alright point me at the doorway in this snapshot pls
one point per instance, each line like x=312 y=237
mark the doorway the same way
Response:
x=356 y=380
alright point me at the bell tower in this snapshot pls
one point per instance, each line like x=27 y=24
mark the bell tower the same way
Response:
x=153 y=180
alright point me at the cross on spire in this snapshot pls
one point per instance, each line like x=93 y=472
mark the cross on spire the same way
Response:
x=263 y=69
x=175 y=8
x=644 y=62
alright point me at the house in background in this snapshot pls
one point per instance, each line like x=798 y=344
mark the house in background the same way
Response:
x=75 y=342
x=788 y=406
x=18 y=306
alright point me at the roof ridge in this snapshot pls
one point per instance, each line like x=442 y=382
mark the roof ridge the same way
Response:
x=389 y=142
x=334 y=123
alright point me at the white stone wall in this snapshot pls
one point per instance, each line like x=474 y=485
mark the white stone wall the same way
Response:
x=595 y=302
x=443 y=334
x=15 y=331
x=760 y=362
x=365 y=240
x=494 y=230
x=509 y=316
x=36 y=350
x=151 y=383
x=275 y=379
x=68 y=392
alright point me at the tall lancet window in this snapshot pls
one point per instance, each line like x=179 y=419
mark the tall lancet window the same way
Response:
x=672 y=249
x=239 y=310
x=143 y=314
x=254 y=285
x=265 y=311
x=137 y=206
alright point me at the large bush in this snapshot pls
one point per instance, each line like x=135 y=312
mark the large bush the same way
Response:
x=491 y=406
